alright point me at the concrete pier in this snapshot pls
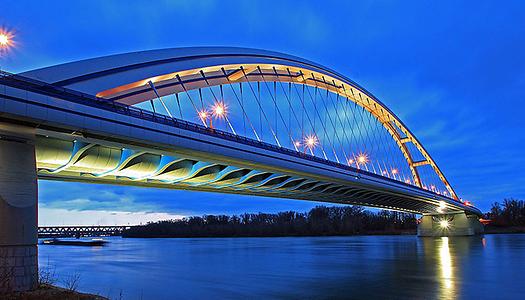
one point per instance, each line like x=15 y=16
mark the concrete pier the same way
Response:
x=18 y=210
x=456 y=224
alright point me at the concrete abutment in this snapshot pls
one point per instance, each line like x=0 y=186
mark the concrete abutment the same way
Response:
x=18 y=210
x=453 y=224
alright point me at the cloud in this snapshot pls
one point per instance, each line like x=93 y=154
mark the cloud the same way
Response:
x=49 y=216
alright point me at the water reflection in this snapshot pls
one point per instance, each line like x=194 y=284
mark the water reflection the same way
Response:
x=447 y=269
x=450 y=257
x=364 y=267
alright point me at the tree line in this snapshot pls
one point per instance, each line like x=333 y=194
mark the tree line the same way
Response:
x=510 y=213
x=319 y=221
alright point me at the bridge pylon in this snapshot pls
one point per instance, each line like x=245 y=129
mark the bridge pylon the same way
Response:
x=18 y=210
x=449 y=224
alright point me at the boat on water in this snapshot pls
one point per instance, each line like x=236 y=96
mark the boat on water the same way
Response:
x=89 y=243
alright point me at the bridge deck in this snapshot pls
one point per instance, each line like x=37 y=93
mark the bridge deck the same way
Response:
x=349 y=185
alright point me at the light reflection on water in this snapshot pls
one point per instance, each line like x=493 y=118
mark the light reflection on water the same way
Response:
x=312 y=267
x=446 y=264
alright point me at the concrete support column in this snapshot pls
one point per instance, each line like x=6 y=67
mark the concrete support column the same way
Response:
x=18 y=210
x=457 y=224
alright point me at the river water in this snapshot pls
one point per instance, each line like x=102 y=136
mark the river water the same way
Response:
x=357 y=267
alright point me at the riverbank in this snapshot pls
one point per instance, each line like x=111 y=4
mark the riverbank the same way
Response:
x=319 y=221
x=497 y=229
x=488 y=230
x=156 y=235
x=50 y=292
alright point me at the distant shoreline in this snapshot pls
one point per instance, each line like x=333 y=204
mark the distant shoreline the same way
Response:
x=511 y=229
x=157 y=236
x=488 y=230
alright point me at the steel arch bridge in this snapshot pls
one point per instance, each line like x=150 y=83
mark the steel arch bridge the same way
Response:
x=231 y=120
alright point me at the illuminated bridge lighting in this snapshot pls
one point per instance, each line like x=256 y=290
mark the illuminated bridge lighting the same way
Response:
x=350 y=162
x=311 y=141
x=219 y=110
x=444 y=224
x=203 y=114
x=442 y=206
x=394 y=171
x=362 y=159
x=6 y=40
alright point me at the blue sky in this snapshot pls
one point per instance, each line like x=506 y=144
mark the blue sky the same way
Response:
x=453 y=72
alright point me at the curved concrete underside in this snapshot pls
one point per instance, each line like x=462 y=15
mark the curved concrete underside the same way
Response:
x=89 y=160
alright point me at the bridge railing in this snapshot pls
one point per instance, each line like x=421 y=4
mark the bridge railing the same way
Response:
x=37 y=86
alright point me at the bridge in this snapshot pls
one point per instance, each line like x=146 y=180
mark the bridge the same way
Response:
x=227 y=120
x=80 y=231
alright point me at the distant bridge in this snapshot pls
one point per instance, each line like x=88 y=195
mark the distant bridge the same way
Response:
x=80 y=231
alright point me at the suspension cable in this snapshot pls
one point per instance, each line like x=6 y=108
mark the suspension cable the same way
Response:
x=305 y=112
x=261 y=111
x=191 y=100
x=160 y=98
x=322 y=125
x=241 y=103
x=276 y=108
x=217 y=101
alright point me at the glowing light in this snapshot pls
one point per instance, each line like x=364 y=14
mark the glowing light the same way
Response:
x=407 y=180
x=4 y=40
x=362 y=158
x=203 y=114
x=350 y=162
x=311 y=141
x=442 y=204
x=297 y=144
x=447 y=271
x=395 y=171
x=384 y=173
x=442 y=207
x=432 y=187
x=219 y=110
x=444 y=224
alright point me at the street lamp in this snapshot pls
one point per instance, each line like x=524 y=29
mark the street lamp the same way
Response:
x=362 y=158
x=203 y=115
x=219 y=110
x=311 y=141
x=4 y=40
x=444 y=224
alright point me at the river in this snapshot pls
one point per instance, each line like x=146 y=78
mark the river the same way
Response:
x=356 y=267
